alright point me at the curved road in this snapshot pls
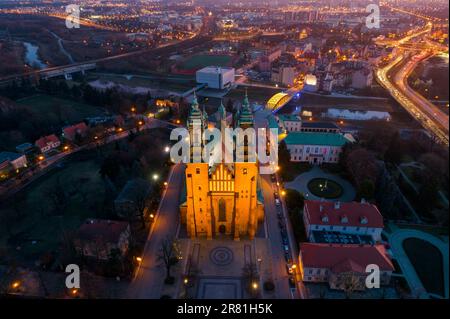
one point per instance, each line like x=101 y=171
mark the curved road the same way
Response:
x=396 y=241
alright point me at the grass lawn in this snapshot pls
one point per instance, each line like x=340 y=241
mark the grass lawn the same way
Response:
x=204 y=60
x=427 y=261
x=55 y=110
x=325 y=188
x=291 y=170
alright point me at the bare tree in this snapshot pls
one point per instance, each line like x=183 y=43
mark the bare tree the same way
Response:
x=169 y=255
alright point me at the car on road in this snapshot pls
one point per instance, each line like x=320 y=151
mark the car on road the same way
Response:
x=279 y=214
x=286 y=248
x=291 y=282
x=289 y=270
x=277 y=202
x=273 y=178
x=284 y=240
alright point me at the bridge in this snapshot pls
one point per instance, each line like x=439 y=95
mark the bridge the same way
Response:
x=68 y=71
x=279 y=100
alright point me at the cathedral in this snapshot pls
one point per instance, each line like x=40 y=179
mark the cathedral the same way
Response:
x=221 y=199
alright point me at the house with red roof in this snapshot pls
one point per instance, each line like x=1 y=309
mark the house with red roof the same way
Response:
x=338 y=264
x=98 y=238
x=48 y=143
x=71 y=132
x=353 y=218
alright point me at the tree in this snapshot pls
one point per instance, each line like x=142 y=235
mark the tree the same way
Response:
x=110 y=168
x=349 y=282
x=169 y=255
x=250 y=277
x=58 y=196
x=366 y=189
x=394 y=151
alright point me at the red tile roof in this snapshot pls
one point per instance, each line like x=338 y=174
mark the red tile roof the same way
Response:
x=43 y=141
x=356 y=214
x=343 y=258
x=71 y=131
x=105 y=230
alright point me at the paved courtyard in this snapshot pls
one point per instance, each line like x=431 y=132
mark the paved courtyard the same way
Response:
x=300 y=183
x=219 y=263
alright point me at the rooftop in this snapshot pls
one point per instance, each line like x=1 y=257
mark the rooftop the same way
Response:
x=343 y=214
x=328 y=125
x=9 y=156
x=290 y=118
x=326 y=139
x=107 y=230
x=344 y=258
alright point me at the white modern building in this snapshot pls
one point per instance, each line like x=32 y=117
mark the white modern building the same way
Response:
x=216 y=77
x=310 y=83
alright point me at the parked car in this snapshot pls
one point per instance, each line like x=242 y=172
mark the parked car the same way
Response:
x=277 y=202
x=286 y=248
x=273 y=178
x=291 y=282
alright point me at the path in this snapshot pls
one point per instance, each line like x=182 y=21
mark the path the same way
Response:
x=300 y=183
x=396 y=241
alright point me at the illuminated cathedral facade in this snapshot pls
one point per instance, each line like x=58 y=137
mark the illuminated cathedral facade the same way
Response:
x=221 y=199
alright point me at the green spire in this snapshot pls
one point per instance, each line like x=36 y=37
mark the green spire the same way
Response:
x=222 y=111
x=195 y=104
x=246 y=103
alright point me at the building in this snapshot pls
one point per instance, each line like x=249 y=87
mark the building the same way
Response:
x=362 y=219
x=320 y=127
x=337 y=264
x=315 y=148
x=25 y=148
x=290 y=123
x=327 y=83
x=74 y=132
x=132 y=197
x=221 y=199
x=13 y=160
x=48 y=143
x=284 y=75
x=216 y=77
x=310 y=83
x=362 y=78
x=98 y=238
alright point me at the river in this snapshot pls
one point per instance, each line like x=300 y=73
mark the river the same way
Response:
x=32 y=56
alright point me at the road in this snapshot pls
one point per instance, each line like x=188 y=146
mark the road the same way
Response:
x=149 y=279
x=279 y=269
x=394 y=78
x=12 y=186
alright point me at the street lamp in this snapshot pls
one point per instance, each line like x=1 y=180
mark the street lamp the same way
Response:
x=167 y=149
x=15 y=284
x=255 y=285
x=139 y=259
x=155 y=177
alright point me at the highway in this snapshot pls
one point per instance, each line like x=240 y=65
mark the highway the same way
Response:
x=394 y=78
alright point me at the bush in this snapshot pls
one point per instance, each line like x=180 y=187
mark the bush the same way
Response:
x=169 y=280
x=269 y=286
